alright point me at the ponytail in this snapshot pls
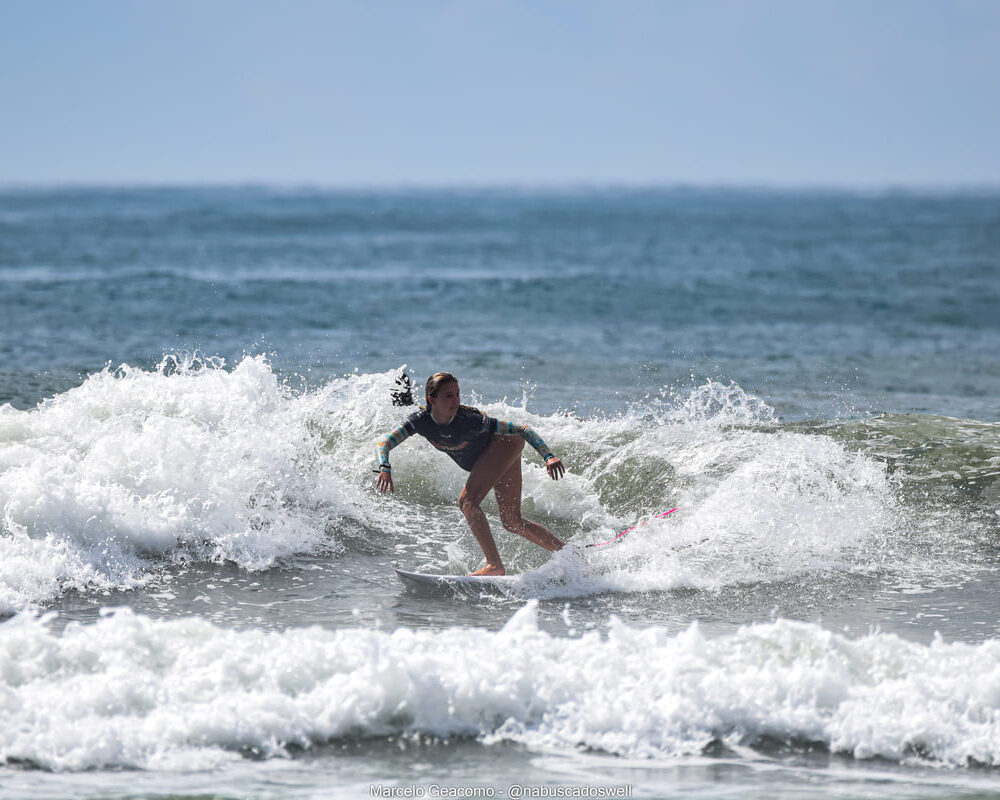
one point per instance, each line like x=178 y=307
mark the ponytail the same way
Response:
x=402 y=396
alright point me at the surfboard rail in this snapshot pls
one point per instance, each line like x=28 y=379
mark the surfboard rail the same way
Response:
x=431 y=579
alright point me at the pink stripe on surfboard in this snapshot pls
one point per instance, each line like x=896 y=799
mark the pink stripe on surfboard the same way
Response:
x=620 y=535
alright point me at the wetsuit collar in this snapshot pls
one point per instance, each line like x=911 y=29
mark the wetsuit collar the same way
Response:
x=446 y=422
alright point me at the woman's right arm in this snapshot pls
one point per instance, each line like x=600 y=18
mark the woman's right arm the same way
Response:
x=384 y=480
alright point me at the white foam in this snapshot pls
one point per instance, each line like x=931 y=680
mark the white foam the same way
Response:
x=774 y=506
x=187 y=460
x=130 y=691
x=756 y=503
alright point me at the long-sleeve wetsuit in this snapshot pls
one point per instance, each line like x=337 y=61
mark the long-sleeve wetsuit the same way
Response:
x=464 y=438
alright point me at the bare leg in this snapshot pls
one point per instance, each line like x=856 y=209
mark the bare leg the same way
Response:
x=502 y=452
x=499 y=468
x=508 y=494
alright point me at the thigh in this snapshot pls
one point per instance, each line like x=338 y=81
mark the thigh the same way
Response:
x=507 y=491
x=502 y=452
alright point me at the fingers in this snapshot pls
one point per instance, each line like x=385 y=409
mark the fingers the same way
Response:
x=555 y=468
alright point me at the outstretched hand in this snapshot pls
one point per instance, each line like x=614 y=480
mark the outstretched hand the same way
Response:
x=555 y=468
x=384 y=481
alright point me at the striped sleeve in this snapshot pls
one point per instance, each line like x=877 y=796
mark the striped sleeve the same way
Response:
x=399 y=435
x=526 y=432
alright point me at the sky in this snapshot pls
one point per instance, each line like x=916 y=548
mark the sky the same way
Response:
x=868 y=93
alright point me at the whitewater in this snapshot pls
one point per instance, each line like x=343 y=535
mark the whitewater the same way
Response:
x=104 y=486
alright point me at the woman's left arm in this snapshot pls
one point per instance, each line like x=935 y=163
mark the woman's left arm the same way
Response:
x=554 y=466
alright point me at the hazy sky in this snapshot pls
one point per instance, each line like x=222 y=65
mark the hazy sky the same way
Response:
x=331 y=92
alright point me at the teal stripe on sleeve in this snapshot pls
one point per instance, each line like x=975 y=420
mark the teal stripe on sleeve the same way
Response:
x=398 y=436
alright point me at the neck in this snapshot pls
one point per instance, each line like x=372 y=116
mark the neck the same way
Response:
x=438 y=420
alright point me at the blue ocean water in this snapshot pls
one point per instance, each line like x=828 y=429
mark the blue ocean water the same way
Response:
x=196 y=574
x=795 y=295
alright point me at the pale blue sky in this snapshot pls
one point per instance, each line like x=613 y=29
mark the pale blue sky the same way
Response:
x=536 y=92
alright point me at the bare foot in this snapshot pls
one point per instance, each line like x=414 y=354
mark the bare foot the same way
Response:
x=490 y=570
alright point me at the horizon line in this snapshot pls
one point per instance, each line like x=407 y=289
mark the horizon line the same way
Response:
x=540 y=187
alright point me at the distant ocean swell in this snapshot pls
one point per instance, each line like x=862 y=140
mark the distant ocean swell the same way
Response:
x=136 y=692
x=134 y=469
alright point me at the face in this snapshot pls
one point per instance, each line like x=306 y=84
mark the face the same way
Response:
x=444 y=405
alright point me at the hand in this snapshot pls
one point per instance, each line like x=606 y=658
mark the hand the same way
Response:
x=555 y=468
x=384 y=482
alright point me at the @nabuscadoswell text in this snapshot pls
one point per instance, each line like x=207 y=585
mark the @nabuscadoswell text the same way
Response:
x=516 y=791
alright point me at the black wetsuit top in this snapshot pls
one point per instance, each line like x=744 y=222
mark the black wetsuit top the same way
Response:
x=464 y=438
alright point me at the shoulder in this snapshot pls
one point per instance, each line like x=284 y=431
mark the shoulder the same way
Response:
x=474 y=418
x=416 y=420
x=470 y=414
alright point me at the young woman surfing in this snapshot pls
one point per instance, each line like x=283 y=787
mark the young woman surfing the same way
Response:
x=489 y=450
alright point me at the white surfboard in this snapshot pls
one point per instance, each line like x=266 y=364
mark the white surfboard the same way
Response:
x=452 y=581
x=427 y=579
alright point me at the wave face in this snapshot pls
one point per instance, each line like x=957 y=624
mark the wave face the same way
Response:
x=104 y=485
x=135 y=692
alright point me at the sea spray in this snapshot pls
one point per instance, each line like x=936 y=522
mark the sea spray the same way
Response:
x=189 y=460
x=757 y=503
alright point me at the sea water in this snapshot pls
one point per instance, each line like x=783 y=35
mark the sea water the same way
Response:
x=196 y=572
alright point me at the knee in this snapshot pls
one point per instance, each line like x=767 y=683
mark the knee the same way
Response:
x=512 y=524
x=466 y=504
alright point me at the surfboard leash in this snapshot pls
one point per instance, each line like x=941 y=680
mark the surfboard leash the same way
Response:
x=618 y=538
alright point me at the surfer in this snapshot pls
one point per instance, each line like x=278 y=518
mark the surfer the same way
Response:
x=488 y=449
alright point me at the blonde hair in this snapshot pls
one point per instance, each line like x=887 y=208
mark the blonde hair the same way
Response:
x=435 y=382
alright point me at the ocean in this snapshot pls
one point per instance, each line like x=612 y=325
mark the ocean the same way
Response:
x=196 y=573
